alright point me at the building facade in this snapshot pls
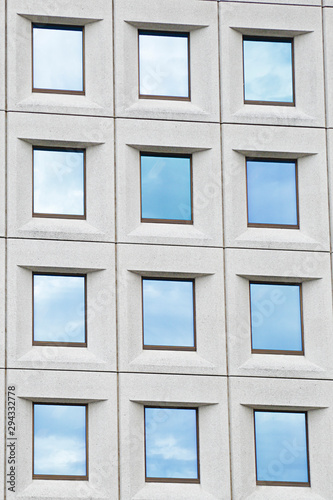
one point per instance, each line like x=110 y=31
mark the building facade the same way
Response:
x=226 y=392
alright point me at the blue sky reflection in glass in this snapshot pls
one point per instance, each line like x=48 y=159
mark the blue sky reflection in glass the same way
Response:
x=164 y=68
x=166 y=188
x=268 y=71
x=281 y=447
x=171 y=443
x=58 y=182
x=168 y=313
x=272 y=192
x=59 y=308
x=58 y=58
x=60 y=440
x=276 y=322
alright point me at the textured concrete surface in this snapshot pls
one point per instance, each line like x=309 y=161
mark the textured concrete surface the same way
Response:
x=114 y=375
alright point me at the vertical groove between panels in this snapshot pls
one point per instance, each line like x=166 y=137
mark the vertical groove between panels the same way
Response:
x=6 y=258
x=327 y=145
x=115 y=236
x=219 y=53
x=326 y=126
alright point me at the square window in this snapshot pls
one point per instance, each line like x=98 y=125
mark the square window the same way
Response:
x=59 y=183
x=59 y=310
x=60 y=441
x=268 y=70
x=272 y=194
x=281 y=444
x=168 y=314
x=276 y=318
x=166 y=188
x=172 y=445
x=57 y=63
x=164 y=65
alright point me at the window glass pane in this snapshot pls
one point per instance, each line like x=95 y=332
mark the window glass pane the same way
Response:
x=268 y=71
x=276 y=317
x=59 y=308
x=166 y=188
x=60 y=440
x=171 y=443
x=281 y=446
x=163 y=60
x=168 y=313
x=58 y=182
x=272 y=192
x=58 y=58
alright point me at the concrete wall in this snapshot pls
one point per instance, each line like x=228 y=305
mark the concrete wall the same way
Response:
x=114 y=374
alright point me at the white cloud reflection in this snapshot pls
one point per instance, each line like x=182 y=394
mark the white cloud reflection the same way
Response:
x=272 y=192
x=168 y=313
x=58 y=182
x=168 y=449
x=163 y=65
x=58 y=59
x=60 y=440
x=281 y=446
x=171 y=444
x=268 y=72
x=276 y=317
x=59 y=308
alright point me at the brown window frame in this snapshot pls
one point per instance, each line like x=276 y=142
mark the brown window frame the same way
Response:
x=170 y=348
x=270 y=39
x=282 y=483
x=167 y=221
x=61 y=216
x=183 y=34
x=272 y=351
x=172 y=480
x=51 y=476
x=58 y=27
x=60 y=344
x=273 y=226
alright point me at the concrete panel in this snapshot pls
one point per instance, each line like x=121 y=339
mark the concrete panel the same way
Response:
x=3 y=459
x=94 y=259
x=206 y=266
x=328 y=57
x=207 y=393
x=308 y=146
x=307 y=3
x=330 y=175
x=203 y=142
x=2 y=173
x=304 y=24
x=97 y=20
x=2 y=56
x=2 y=302
x=198 y=18
x=315 y=396
x=100 y=391
x=93 y=134
x=312 y=269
